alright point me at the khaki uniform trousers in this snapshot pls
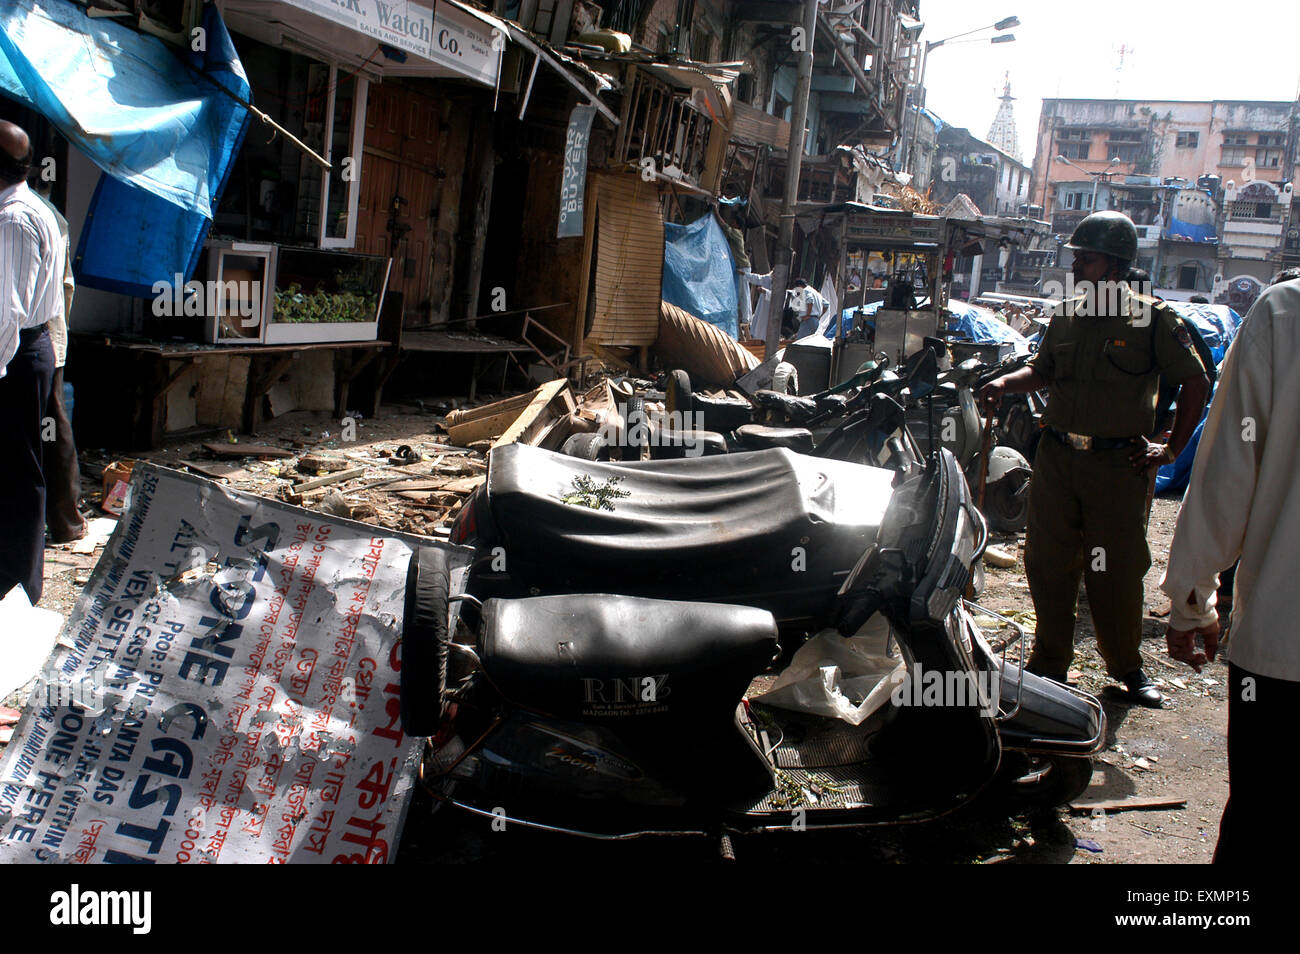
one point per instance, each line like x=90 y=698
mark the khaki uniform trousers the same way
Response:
x=1087 y=520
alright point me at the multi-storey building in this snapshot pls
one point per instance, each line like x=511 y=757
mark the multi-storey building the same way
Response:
x=1208 y=183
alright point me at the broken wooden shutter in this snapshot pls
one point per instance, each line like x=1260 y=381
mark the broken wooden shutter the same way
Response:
x=629 y=260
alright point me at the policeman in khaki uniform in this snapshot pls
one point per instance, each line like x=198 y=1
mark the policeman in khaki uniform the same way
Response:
x=1100 y=359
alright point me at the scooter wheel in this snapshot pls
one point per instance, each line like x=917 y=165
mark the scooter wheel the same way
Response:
x=424 y=641
x=1007 y=511
x=677 y=394
x=1032 y=781
x=636 y=430
x=585 y=447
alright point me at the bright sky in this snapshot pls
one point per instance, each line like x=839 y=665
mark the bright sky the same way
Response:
x=1189 y=50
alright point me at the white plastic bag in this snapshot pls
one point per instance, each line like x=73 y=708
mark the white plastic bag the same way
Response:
x=846 y=679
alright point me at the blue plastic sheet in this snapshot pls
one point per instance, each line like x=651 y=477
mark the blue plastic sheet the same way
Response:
x=1190 y=231
x=1174 y=476
x=1217 y=324
x=981 y=327
x=969 y=322
x=165 y=136
x=699 y=275
x=846 y=318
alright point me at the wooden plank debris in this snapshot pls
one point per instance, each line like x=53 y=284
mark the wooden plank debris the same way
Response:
x=216 y=469
x=334 y=478
x=1127 y=805
x=526 y=418
x=247 y=450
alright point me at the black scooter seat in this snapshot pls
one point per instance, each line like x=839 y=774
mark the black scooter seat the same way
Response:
x=619 y=657
x=712 y=528
x=759 y=437
x=789 y=406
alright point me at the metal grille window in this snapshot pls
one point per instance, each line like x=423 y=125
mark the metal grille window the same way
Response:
x=1075 y=150
x=664 y=124
x=1187 y=140
x=1257 y=211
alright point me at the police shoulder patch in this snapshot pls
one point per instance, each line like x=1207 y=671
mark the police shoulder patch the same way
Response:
x=1182 y=334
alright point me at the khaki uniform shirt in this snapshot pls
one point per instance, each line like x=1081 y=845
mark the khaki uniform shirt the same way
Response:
x=1103 y=370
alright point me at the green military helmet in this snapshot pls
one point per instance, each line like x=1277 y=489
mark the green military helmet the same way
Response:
x=1110 y=233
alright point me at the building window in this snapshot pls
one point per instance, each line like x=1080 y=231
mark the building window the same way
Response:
x=1187 y=278
x=1078 y=200
x=344 y=131
x=1125 y=153
x=1234 y=140
x=1074 y=150
x=1234 y=156
x=1187 y=140
x=1268 y=158
x=1250 y=209
x=1272 y=139
x=1076 y=135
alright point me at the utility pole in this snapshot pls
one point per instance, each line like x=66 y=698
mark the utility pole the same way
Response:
x=794 y=160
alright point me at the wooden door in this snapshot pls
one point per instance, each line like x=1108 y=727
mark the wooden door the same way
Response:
x=401 y=190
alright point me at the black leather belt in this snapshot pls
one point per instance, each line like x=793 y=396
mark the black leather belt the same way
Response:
x=1084 y=442
x=29 y=336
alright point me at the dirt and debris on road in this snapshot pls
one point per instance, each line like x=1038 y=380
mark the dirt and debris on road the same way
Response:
x=402 y=473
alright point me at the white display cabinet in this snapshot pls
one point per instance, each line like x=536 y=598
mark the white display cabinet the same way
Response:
x=238 y=294
x=322 y=296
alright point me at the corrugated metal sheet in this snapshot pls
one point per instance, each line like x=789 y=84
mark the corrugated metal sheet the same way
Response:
x=629 y=260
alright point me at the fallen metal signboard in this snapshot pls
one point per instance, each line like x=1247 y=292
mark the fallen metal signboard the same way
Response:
x=226 y=691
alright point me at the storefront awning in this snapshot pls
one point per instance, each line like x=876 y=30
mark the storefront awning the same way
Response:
x=123 y=98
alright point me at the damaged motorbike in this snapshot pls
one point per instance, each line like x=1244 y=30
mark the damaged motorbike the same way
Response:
x=634 y=710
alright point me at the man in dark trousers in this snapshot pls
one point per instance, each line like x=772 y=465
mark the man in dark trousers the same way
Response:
x=1101 y=359
x=31 y=294
x=63 y=519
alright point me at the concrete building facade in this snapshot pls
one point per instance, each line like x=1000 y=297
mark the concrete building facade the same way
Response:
x=1209 y=183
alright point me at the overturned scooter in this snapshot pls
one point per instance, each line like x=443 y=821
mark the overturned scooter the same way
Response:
x=618 y=715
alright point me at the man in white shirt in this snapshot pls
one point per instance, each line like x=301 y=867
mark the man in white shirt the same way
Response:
x=808 y=305
x=31 y=294
x=63 y=520
x=1243 y=501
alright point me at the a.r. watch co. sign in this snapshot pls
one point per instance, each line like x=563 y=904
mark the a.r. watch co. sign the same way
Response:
x=448 y=35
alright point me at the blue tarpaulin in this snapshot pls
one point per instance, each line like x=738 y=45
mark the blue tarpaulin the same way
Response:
x=969 y=322
x=982 y=327
x=699 y=275
x=1218 y=325
x=164 y=134
x=1178 y=229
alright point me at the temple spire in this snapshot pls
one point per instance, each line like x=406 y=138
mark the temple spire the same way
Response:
x=1003 y=131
